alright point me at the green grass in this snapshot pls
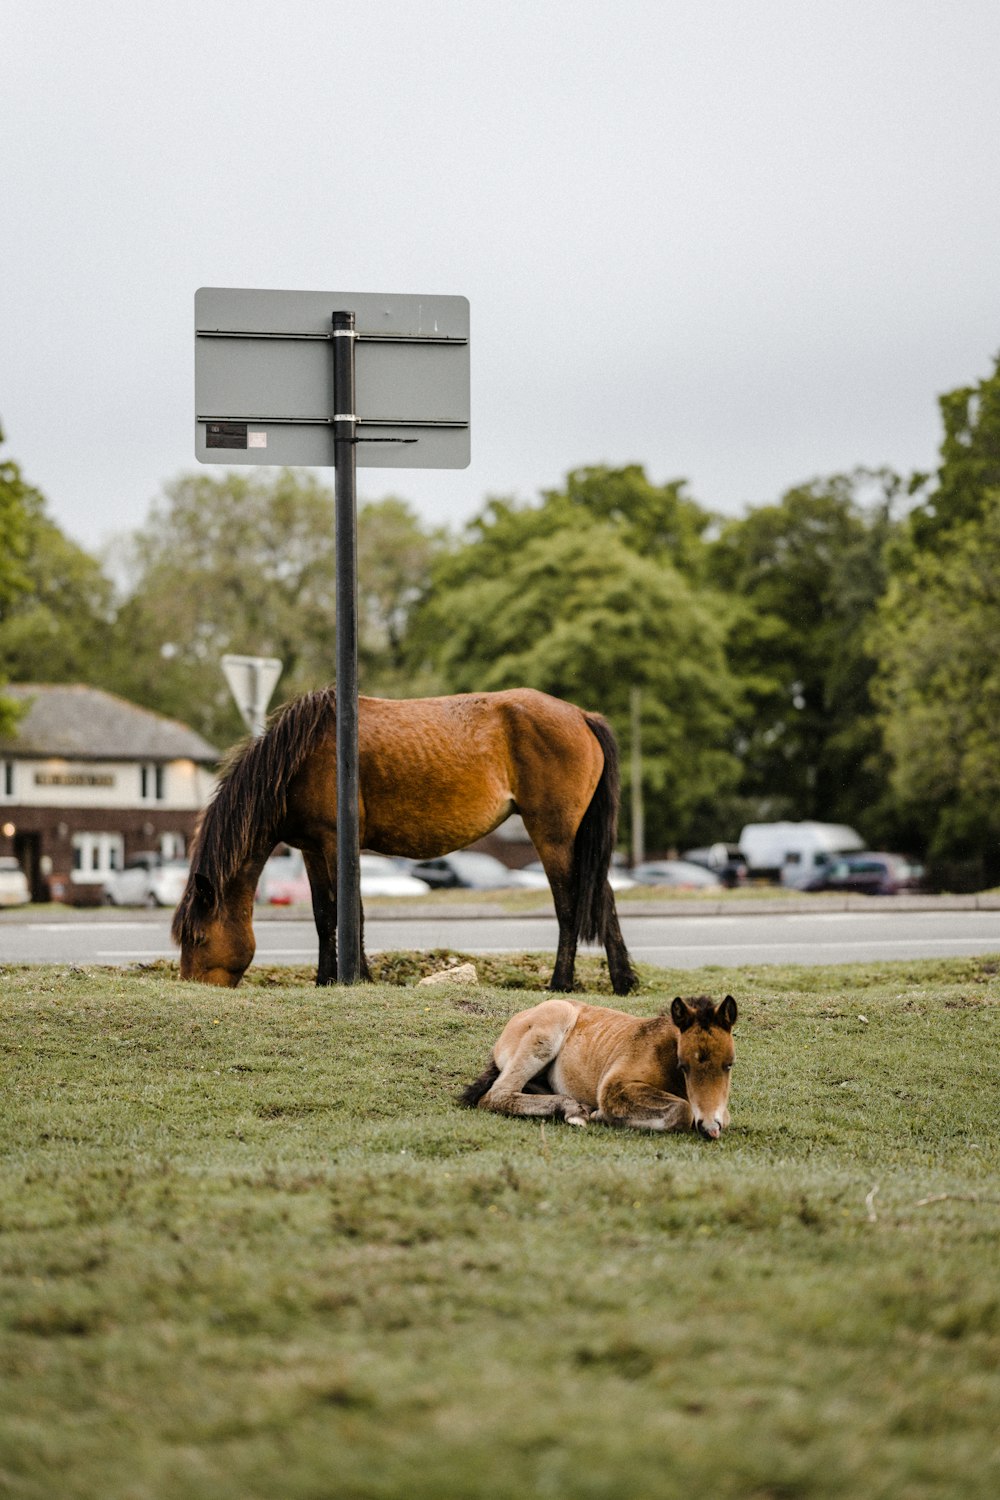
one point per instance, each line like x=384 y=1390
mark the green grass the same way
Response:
x=249 y=1247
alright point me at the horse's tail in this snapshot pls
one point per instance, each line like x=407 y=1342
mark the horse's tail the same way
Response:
x=595 y=841
x=471 y=1095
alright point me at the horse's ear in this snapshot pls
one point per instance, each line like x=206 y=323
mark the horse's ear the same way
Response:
x=204 y=889
x=726 y=1013
x=681 y=1014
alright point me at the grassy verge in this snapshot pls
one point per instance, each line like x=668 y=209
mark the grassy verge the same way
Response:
x=249 y=1247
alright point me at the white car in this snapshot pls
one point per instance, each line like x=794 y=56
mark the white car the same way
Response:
x=680 y=874
x=147 y=880
x=284 y=882
x=14 y=890
x=533 y=877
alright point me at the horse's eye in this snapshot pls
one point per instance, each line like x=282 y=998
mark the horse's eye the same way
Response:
x=727 y=1067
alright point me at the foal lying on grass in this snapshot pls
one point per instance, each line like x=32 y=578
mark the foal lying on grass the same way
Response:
x=585 y=1062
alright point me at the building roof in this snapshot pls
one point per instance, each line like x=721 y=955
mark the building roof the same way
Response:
x=84 y=723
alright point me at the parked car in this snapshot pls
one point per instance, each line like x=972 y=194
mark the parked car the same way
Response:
x=682 y=874
x=534 y=878
x=14 y=888
x=871 y=873
x=466 y=869
x=726 y=860
x=147 y=880
x=793 y=853
x=284 y=881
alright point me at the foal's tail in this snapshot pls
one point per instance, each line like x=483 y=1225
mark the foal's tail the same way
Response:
x=595 y=842
x=471 y=1095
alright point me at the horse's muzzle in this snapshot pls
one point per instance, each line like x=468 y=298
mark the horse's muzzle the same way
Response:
x=710 y=1130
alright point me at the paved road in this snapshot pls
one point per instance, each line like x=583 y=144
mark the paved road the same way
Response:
x=673 y=941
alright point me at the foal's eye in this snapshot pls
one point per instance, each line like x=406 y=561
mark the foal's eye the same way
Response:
x=727 y=1067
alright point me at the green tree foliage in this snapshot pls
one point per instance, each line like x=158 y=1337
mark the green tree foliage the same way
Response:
x=58 y=630
x=243 y=562
x=572 y=598
x=655 y=520
x=802 y=578
x=969 y=470
x=55 y=602
x=939 y=689
x=17 y=502
x=937 y=639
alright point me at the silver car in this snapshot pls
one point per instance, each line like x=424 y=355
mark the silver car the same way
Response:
x=147 y=880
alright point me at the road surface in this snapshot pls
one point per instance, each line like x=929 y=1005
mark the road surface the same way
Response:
x=672 y=941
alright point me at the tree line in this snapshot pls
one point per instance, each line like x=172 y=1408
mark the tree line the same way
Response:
x=834 y=654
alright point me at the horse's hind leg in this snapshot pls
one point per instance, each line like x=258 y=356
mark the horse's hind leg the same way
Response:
x=557 y=861
x=528 y=1045
x=623 y=977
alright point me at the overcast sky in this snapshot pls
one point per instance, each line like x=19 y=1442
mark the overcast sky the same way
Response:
x=743 y=243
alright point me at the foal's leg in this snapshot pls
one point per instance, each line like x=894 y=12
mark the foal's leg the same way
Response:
x=642 y=1107
x=536 y=1047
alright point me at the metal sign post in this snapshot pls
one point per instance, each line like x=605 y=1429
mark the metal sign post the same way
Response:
x=345 y=424
x=394 y=395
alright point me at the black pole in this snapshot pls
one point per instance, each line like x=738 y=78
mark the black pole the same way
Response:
x=348 y=862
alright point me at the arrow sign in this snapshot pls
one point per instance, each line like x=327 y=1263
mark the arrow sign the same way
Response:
x=252 y=680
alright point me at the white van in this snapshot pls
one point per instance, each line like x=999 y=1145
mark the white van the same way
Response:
x=794 y=852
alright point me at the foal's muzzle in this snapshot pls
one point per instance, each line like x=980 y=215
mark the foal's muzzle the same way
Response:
x=710 y=1130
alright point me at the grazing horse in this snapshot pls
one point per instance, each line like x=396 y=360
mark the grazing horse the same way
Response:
x=435 y=774
x=586 y=1062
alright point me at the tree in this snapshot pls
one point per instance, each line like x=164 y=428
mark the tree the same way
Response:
x=573 y=610
x=57 y=630
x=969 y=470
x=55 y=602
x=936 y=640
x=244 y=563
x=16 y=501
x=938 y=687
x=803 y=578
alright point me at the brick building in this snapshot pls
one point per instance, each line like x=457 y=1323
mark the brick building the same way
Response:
x=88 y=779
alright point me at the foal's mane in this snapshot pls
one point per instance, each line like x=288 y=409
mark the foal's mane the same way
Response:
x=249 y=804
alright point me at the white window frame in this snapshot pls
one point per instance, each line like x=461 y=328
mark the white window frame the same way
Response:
x=100 y=854
x=153 y=781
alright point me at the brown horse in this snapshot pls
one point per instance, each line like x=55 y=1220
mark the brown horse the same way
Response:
x=435 y=774
x=586 y=1062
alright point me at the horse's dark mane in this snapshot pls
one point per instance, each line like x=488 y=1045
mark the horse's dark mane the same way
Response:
x=249 y=804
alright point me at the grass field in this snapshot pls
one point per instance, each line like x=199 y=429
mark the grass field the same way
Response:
x=249 y=1247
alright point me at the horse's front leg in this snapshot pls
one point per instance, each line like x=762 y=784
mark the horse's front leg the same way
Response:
x=366 y=973
x=640 y=1106
x=323 y=889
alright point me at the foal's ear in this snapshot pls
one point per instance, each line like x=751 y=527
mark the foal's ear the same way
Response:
x=204 y=889
x=726 y=1013
x=681 y=1014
